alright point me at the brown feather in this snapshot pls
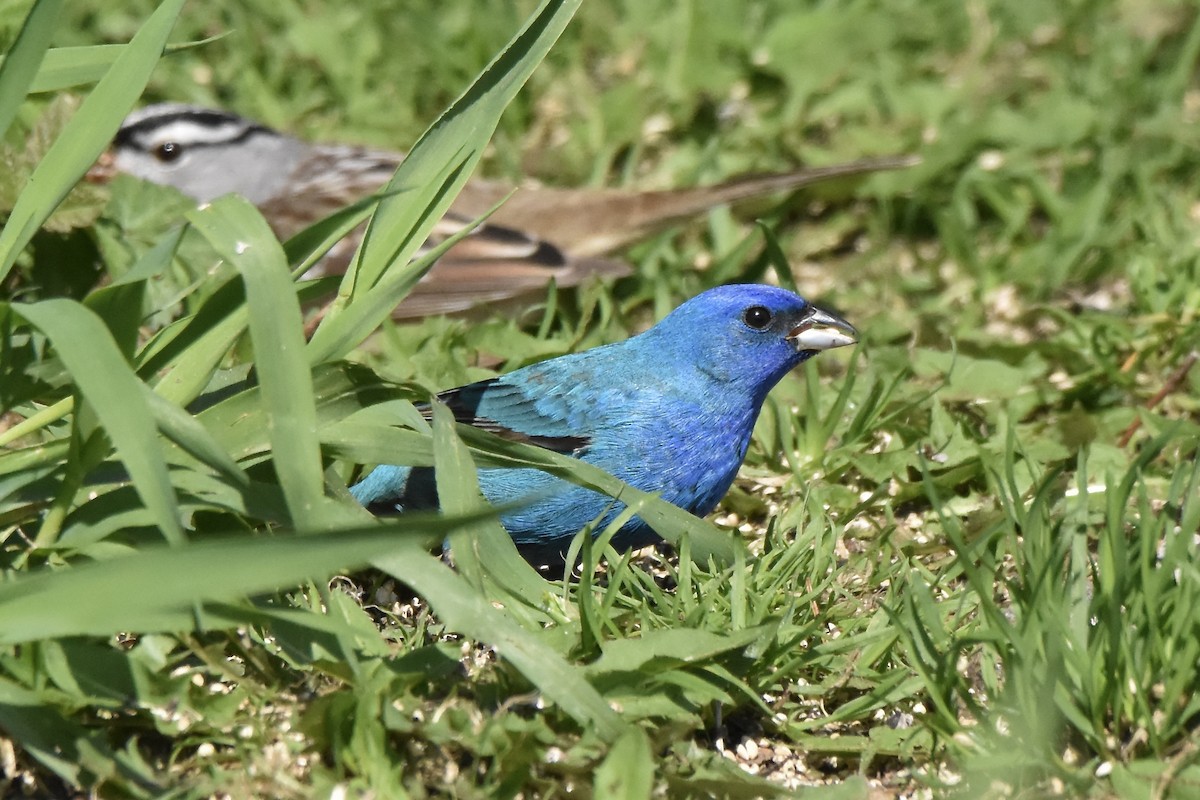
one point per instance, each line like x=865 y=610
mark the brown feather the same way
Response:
x=537 y=235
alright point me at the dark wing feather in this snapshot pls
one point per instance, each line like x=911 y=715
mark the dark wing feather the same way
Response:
x=494 y=263
x=510 y=413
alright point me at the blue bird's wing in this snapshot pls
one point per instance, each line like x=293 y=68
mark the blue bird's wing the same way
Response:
x=507 y=409
x=512 y=412
x=549 y=406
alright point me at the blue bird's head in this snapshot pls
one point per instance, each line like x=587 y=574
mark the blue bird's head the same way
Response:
x=749 y=335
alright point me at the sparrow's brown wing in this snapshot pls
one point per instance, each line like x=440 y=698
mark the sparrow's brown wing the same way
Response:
x=495 y=263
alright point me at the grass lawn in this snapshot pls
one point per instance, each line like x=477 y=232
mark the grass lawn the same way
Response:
x=963 y=557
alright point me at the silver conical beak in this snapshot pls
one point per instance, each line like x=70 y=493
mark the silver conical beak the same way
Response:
x=822 y=330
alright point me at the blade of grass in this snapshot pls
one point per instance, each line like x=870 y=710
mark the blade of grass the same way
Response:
x=113 y=390
x=339 y=389
x=776 y=258
x=368 y=443
x=184 y=430
x=307 y=247
x=627 y=772
x=668 y=520
x=37 y=421
x=68 y=67
x=157 y=588
x=21 y=64
x=353 y=326
x=485 y=552
x=196 y=353
x=428 y=180
x=239 y=234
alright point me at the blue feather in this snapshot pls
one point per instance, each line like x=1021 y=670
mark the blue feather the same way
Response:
x=669 y=411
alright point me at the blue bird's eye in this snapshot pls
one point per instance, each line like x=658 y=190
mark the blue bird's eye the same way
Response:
x=757 y=317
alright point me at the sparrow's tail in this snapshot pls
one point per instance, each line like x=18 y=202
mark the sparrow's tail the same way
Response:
x=591 y=222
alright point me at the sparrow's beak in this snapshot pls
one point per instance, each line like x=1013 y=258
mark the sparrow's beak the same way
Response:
x=821 y=330
x=104 y=170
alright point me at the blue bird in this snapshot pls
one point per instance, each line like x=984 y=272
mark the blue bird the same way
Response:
x=670 y=410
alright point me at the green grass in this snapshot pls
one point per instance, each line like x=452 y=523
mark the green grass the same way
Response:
x=950 y=563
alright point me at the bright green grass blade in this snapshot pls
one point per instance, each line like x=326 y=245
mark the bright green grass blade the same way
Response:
x=304 y=633
x=155 y=261
x=20 y=66
x=68 y=67
x=158 y=588
x=35 y=457
x=352 y=325
x=365 y=442
x=120 y=305
x=777 y=259
x=238 y=232
x=310 y=245
x=200 y=351
x=87 y=134
x=485 y=551
x=430 y=177
x=112 y=389
x=443 y=158
x=463 y=609
x=339 y=390
x=184 y=430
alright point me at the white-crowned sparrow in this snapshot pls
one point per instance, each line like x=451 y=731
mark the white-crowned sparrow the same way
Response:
x=538 y=234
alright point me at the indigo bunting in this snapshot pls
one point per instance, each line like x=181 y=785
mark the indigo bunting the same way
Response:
x=670 y=410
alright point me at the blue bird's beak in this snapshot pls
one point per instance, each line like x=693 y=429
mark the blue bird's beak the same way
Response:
x=821 y=330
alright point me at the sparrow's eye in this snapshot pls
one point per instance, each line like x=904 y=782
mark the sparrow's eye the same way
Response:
x=168 y=152
x=757 y=317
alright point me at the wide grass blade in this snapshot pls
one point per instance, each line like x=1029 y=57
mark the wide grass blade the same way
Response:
x=485 y=552
x=160 y=588
x=627 y=772
x=20 y=66
x=369 y=443
x=184 y=430
x=429 y=179
x=68 y=67
x=238 y=232
x=114 y=392
x=340 y=390
x=193 y=357
x=87 y=134
x=377 y=304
